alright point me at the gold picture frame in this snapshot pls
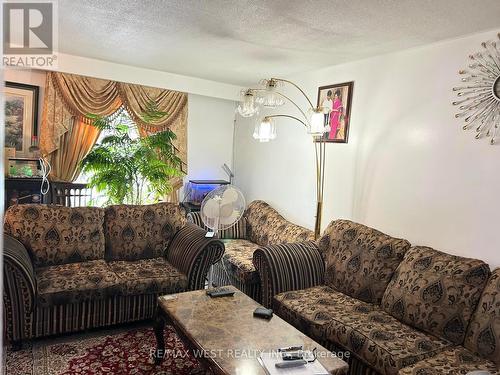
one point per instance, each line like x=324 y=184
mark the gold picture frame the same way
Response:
x=21 y=117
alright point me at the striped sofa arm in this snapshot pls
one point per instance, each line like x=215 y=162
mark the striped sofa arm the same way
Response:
x=236 y=231
x=285 y=267
x=19 y=291
x=193 y=254
x=195 y=218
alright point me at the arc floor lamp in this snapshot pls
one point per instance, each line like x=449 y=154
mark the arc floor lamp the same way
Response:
x=270 y=96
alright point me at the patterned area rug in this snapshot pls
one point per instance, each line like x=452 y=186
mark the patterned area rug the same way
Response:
x=121 y=351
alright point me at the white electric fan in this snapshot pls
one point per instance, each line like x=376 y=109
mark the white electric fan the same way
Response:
x=222 y=208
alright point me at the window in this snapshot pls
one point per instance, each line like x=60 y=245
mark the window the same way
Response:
x=100 y=199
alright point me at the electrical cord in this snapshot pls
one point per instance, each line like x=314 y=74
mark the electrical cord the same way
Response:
x=222 y=259
x=46 y=168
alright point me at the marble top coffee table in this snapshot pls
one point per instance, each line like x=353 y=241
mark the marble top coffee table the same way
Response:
x=225 y=330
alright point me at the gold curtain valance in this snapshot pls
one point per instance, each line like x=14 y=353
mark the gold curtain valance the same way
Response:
x=66 y=134
x=84 y=95
x=135 y=99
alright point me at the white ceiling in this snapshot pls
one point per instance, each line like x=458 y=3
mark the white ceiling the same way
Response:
x=240 y=41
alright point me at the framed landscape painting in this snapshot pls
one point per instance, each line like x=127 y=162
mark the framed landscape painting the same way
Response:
x=21 y=117
x=335 y=102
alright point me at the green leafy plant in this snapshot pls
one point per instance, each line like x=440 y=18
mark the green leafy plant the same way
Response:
x=132 y=170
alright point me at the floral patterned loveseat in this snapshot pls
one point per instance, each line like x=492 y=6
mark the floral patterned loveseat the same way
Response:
x=69 y=269
x=397 y=309
x=261 y=225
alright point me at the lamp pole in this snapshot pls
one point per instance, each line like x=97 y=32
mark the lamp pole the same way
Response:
x=315 y=126
x=320 y=159
x=319 y=146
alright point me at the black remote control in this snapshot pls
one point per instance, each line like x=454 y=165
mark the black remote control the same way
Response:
x=292 y=356
x=262 y=312
x=220 y=293
x=289 y=364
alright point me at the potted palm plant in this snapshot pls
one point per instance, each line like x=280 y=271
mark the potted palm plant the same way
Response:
x=128 y=169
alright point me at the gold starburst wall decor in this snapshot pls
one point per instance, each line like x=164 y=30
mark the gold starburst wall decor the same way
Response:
x=479 y=94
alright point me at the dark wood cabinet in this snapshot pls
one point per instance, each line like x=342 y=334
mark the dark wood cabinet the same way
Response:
x=27 y=190
x=23 y=190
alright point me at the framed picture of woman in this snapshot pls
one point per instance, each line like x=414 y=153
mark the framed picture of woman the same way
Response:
x=335 y=102
x=21 y=117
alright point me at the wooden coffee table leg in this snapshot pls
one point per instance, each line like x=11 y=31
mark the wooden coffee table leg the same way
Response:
x=159 y=326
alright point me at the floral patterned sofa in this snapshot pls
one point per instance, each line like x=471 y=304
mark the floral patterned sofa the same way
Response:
x=261 y=225
x=397 y=309
x=69 y=269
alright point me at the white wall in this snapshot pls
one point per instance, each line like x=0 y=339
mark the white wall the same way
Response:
x=148 y=77
x=282 y=172
x=210 y=126
x=210 y=137
x=30 y=77
x=408 y=169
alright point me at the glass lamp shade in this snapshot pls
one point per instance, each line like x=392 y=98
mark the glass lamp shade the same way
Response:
x=247 y=106
x=270 y=98
x=265 y=130
x=317 y=124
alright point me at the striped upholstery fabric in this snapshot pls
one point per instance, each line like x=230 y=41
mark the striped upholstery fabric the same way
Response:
x=189 y=252
x=220 y=274
x=298 y=266
x=286 y=267
x=221 y=277
x=60 y=319
x=261 y=225
x=237 y=231
x=19 y=289
x=192 y=253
